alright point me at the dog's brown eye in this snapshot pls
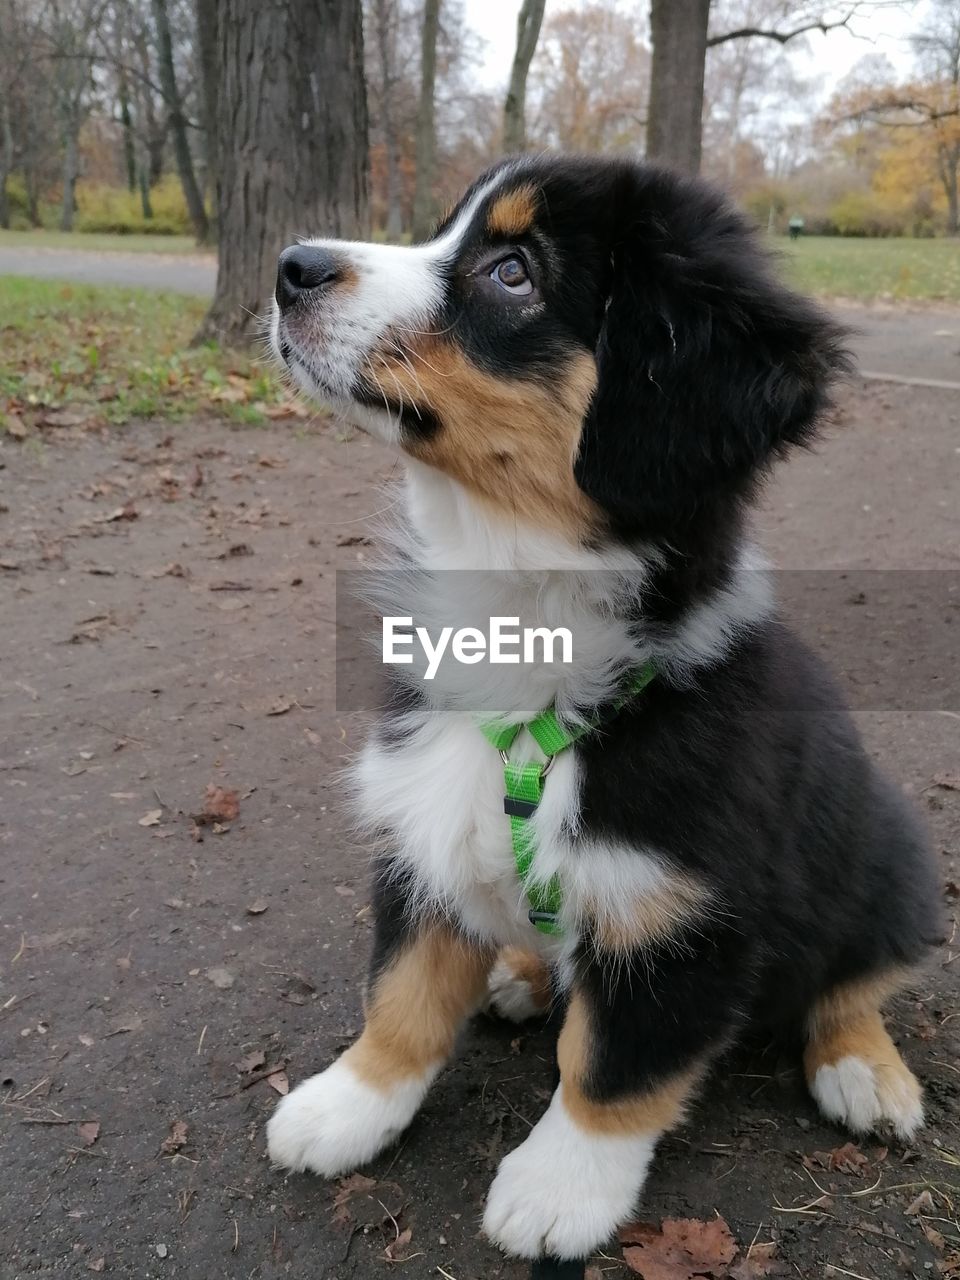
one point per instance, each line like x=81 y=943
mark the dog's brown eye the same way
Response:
x=512 y=274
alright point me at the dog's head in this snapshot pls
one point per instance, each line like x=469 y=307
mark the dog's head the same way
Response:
x=591 y=344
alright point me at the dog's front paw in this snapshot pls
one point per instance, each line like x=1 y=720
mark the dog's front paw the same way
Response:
x=333 y=1122
x=870 y=1097
x=565 y=1191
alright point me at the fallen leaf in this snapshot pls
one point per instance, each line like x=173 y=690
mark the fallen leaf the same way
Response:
x=151 y=818
x=279 y=706
x=949 y=781
x=89 y=1132
x=935 y=1237
x=175 y=1139
x=10 y=565
x=680 y=1249
x=847 y=1159
x=922 y=1204
x=220 y=804
x=221 y=978
x=127 y=512
x=257 y=907
x=96 y=1264
x=355 y=1184
x=171 y=570
x=133 y=1023
x=353 y=540
x=61 y=418
x=251 y=1061
x=394 y=1251
x=278 y=1081
x=759 y=1261
x=15 y=426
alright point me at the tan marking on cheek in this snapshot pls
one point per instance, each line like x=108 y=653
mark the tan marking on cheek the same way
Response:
x=651 y=917
x=651 y=1111
x=528 y=967
x=510 y=441
x=512 y=214
x=416 y=1007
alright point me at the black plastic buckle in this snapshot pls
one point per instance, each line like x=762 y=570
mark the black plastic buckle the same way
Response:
x=514 y=808
x=542 y=917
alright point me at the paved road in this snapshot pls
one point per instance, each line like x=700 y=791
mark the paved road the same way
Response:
x=899 y=341
x=144 y=270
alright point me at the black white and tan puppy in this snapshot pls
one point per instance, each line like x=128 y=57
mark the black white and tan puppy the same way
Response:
x=588 y=369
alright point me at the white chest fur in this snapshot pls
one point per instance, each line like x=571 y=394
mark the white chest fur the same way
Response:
x=439 y=795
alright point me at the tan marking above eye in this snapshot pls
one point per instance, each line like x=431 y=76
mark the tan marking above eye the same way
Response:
x=513 y=213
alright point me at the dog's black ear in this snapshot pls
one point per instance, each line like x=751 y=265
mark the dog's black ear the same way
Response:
x=708 y=367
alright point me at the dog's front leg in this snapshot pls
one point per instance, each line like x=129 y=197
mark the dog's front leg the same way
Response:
x=426 y=978
x=637 y=1039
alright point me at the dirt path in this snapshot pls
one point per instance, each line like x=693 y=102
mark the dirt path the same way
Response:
x=167 y=604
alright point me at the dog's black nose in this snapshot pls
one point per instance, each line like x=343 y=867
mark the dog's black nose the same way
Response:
x=302 y=268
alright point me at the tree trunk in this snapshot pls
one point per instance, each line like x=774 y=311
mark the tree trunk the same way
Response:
x=514 y=108
x=178 y=122
x=143 y=181
x=426 y=142
x=6 y=161
x=291 y=141
x=129 y=151
x=386 y=56
x=207 y=40
x=679 y=32
x=71 y=171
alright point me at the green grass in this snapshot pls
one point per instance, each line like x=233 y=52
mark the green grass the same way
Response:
x=894 y=269
x=99 y=242
x=95 y=355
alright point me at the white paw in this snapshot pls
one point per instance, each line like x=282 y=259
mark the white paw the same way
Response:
x=867 y=1098
x=333 y=1122
x=512 y=995
x=564 y=1191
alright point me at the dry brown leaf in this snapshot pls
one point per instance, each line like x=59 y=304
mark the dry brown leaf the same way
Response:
x=251 y=1061
x=89 y=1132
x=759 y=1262
x=279 y=1082
x=127 y=512
x=151 y=818
x=355 y=1184
x=257 y=907
x=395 y=1251
x=848 y=1159
x=220 y=804
x=280 y=706
x=15 y=426
x=175 y=1139
x=923 y=1204
x=949 y=781
x=680 y=1249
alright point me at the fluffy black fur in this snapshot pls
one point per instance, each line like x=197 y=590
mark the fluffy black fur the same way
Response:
x=753 y=779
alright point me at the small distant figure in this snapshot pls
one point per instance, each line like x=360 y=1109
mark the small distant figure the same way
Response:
x=796 y=225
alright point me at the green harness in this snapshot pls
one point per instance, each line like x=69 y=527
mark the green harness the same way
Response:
x=523 y=780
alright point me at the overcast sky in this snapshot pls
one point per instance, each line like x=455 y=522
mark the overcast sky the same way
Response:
x=830 y=57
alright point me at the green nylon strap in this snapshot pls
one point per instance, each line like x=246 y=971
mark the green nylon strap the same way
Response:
x=524 y=785
x=524 y=782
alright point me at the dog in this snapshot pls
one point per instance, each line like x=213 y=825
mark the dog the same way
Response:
x=588 y=370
